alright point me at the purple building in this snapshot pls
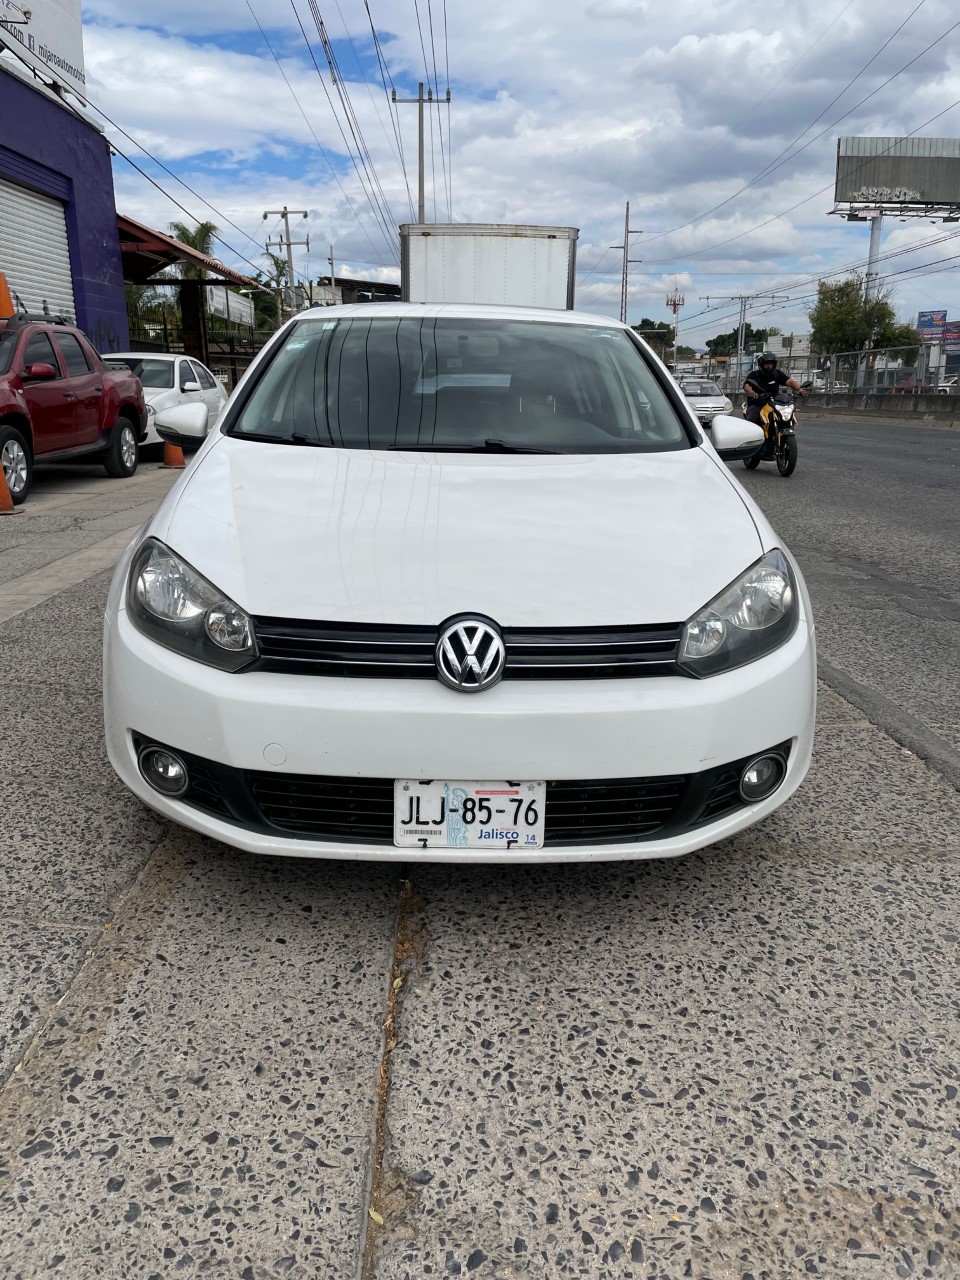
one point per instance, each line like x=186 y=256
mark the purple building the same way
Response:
x=59 y=244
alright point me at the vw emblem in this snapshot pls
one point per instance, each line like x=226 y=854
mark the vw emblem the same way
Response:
x=470 y=655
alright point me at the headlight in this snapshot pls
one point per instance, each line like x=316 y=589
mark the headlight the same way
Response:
x=727 y=406
x=151 y=411
x=171 y=603
x=753 y=616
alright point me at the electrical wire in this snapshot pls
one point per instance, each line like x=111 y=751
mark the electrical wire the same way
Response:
x=391 y=106
x=382 y=222
x=426 y=74
x=776 y=218
x=436 y=85
x=446 y=72
x=313 y=133
x=769 y=168
x=353 y=123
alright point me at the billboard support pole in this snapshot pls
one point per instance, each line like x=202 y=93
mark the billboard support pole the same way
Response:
x=871 y=282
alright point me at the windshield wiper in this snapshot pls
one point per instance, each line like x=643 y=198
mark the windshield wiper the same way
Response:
x=488 y=446
x=262 y=437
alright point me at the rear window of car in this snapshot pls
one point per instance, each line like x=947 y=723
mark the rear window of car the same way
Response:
x=701 y=389
x=156 y=374
x=416 y=382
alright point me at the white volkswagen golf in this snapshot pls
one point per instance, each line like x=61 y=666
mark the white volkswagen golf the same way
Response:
x=459 y=584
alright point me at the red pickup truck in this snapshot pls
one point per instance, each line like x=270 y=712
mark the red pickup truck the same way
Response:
x=59 y=401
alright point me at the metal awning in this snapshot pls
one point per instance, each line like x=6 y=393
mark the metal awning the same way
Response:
x=145 y=252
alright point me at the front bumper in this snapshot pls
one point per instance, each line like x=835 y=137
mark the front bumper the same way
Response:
x=384 y=729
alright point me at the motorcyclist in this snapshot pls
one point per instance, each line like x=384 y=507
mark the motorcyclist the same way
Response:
x=763 y=385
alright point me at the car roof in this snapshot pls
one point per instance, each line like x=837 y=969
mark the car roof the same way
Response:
x=456 y=311
x=148 y=355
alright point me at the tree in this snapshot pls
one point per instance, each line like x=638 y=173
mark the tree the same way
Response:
x=202 y=238
x=845 y=319
x=725 y=344
x=657 y=332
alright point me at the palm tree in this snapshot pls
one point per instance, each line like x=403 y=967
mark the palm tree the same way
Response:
x=201 y=237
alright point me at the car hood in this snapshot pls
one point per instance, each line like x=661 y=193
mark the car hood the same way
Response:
x=370 y=536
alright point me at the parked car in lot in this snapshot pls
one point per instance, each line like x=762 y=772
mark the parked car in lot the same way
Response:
x=169 y=379
x=60 y=402
x=459 y=583
x=706 y=399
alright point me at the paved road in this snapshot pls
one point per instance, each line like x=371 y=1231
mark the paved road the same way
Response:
x=873 y=514
x=743 y=1063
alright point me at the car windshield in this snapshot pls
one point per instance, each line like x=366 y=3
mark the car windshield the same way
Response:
x=156 y=374
x=428 y=382
x=8 y=344
x=701 y=389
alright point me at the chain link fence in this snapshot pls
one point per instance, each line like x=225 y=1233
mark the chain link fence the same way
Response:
x=919 y=370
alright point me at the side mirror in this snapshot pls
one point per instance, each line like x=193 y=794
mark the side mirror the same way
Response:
x=41 y=372
x=735 y=438
x=183 y=424
x=190 y=386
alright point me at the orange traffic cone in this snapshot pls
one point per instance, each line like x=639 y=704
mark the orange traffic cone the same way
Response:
x=6 y=502
x=172 y=455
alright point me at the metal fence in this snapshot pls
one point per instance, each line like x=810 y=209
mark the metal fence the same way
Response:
x=917 y=370
x=230 y=348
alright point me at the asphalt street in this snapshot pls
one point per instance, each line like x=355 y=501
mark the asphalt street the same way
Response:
x=741 y=1065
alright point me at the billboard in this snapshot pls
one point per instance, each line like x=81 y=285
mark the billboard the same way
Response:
x=930 y=325
x=951 y=338
x=49 y=40
x=223 y=302
x=878 y=171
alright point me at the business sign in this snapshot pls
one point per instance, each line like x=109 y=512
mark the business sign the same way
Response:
x=930 y=325
x=898 y=171
x=48 y=36
x=222 y=302
x=951 y=338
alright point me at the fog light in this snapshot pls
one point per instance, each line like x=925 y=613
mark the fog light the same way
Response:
x=762 y=776
x=164 y=771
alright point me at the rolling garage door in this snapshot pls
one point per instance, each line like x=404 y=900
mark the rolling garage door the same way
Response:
x=34 y=254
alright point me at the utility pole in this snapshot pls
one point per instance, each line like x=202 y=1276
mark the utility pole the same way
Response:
x=872 y=280
x=420 y=101
x=743 y=299
x=675 y=301
x=282 y=241
x=627 y=233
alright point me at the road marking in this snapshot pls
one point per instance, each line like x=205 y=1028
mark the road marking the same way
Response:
x=30 y=589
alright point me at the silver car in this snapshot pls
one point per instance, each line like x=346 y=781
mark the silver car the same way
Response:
x=706 y=399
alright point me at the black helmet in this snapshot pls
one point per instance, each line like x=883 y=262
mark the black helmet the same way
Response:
x=767 y=357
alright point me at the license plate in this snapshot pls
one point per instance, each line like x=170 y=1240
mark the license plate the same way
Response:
x=468 y=815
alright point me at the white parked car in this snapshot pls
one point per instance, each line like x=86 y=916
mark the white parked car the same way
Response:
x=706 y=399
x=459 y=584
x=169 y=380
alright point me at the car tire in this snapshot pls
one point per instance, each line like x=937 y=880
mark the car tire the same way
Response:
x=751 y=463
x=123 y=453
x=17 y=463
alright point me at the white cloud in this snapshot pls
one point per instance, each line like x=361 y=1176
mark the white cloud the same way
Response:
x=560 y=114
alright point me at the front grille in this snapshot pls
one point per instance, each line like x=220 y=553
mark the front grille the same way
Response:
x=533 y=653
x=360 y=810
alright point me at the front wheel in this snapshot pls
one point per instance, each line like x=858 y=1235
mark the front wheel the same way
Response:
x=124 y=451
x=787 y=456
x=17 y=463
x=752 y=463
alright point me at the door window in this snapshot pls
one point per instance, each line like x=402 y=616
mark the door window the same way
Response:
x=205 y=379
x=74 y=356
x=39 y=350
x=186 y=374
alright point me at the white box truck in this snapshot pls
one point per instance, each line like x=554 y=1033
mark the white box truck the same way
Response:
x=488 y=262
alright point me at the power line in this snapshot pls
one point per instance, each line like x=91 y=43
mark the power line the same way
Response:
x=446 y=72
x=353 y=123
x=320 y=146
x=394 y=116
x=769 y=168
x=776 y=217
x=383 y=226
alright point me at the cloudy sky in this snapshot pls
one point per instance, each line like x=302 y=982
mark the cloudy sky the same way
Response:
x=718 y=122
